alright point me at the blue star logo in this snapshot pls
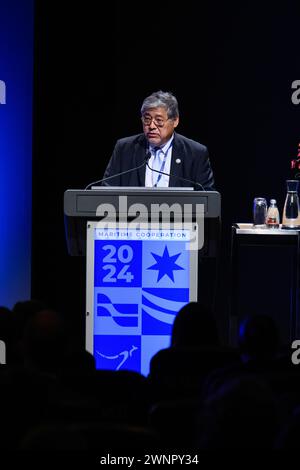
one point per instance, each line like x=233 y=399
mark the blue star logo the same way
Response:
x=165 y=264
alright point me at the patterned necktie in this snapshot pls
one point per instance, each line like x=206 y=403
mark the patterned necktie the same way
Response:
x=157 y=165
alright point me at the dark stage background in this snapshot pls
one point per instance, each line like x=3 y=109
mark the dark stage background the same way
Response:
x=231 y=68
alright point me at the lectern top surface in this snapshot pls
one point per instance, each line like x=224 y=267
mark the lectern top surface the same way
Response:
x=141 y=188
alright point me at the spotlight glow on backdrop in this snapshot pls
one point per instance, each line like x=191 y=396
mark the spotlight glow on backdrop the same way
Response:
x=16 y=75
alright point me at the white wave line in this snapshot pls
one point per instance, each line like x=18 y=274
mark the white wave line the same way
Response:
x=160 y=316
x=112 y=310
x=173 y=305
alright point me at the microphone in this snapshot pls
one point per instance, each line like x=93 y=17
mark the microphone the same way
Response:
x=145 y=162
x=175 y=176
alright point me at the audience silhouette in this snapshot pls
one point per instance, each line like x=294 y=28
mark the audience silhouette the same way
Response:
x=44 y=341
x=199 y=393
x=243 y=414
x=6 y=333
x=194 y=326
x=258 y=338
x=21 y=313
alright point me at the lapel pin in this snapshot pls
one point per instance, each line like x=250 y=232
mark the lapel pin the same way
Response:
x=178 y=160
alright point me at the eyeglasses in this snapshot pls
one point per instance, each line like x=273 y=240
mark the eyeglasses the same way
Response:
x=159 y=122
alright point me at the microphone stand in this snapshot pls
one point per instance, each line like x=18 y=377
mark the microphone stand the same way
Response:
x=148 y=155
x=174 y=176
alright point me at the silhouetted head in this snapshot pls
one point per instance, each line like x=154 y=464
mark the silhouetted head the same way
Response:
x=6 y=335
x=258 y=337
x=78 y=361
x=44 y=340
x=242 y=414
x=23 y=311
x=194 y=326
x=5 y=324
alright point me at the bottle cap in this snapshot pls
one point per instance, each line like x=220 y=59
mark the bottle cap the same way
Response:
x=273 y=201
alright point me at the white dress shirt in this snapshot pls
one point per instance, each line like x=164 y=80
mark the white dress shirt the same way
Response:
x=156 y=161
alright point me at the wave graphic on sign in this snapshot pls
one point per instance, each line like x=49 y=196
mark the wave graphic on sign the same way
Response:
x=122 y=314
x=164 y=304
x=129 y=309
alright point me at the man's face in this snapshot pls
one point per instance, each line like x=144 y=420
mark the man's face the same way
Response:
x=158 y=128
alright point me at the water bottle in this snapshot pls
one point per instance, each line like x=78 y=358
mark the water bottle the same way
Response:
x=273 y=215
x=291 y=212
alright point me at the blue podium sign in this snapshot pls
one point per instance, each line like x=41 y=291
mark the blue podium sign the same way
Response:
x=137 y=281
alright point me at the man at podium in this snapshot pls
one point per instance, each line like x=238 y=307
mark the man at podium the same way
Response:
x=159 y=157
x=140 y=274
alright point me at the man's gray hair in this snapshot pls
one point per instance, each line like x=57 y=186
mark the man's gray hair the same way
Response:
x=161 y=99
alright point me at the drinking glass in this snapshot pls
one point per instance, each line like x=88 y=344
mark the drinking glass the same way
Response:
x=259 y=212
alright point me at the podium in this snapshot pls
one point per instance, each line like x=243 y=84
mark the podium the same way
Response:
x=143 y=249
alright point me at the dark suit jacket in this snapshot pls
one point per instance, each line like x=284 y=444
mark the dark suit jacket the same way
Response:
x=130 y=152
